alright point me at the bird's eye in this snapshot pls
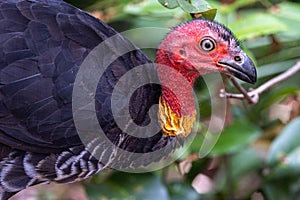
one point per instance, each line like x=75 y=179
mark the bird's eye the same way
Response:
x=207 y=44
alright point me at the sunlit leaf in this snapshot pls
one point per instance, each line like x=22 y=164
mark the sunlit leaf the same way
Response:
x=116 y=5
x=228 y=8
x=255 y=25
x=149 y=7
x=289 y=13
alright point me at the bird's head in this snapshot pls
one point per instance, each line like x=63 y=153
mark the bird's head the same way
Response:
x=202 y=46
x=189 y=50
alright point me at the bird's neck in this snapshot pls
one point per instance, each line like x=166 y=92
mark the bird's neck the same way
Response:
x=177 y=112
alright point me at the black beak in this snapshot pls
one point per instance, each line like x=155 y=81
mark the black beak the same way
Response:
x=241 y=67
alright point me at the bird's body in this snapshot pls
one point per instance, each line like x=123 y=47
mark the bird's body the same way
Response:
x=43 y=44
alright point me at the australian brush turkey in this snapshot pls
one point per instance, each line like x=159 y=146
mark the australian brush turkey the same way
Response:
x=43 y=46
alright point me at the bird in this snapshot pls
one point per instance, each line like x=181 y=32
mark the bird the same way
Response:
x=46 y=44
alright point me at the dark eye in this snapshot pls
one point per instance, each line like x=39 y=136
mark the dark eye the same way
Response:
x=207 y=44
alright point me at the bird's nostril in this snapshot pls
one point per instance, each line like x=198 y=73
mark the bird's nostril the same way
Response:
x=237 y=58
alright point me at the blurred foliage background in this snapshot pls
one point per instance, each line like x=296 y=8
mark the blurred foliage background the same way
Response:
x=258 y=154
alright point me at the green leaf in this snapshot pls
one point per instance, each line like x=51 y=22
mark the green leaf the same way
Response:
x=169 y=3
x=229 y=8
x=251 y=162
x=116 y=5
x=275 y=68
x=289 y=13
x=209 y=14
x=181 y=190
x=256 y=25
x=284 y=54
x=289 y=10
x=196 y=144
x=196 y=7
x=128 y=186
x=235 y=137
x=275 y=190
x=289 y=165
x=239 y=171
x=150 y=8
x=287 y=141
x=200 y=7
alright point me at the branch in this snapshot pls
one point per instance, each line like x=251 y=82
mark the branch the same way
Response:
x=253 y=95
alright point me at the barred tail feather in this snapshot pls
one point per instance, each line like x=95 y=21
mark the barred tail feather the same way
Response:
x=19 y=169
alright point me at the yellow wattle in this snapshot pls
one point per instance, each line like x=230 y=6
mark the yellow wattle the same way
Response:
x=172 y=124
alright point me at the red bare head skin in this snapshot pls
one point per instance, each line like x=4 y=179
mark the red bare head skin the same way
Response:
x=195 y=48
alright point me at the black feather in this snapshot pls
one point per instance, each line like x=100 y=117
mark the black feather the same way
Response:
x=42 y=45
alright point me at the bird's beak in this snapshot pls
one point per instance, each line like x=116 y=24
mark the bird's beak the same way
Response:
x=242 y=68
